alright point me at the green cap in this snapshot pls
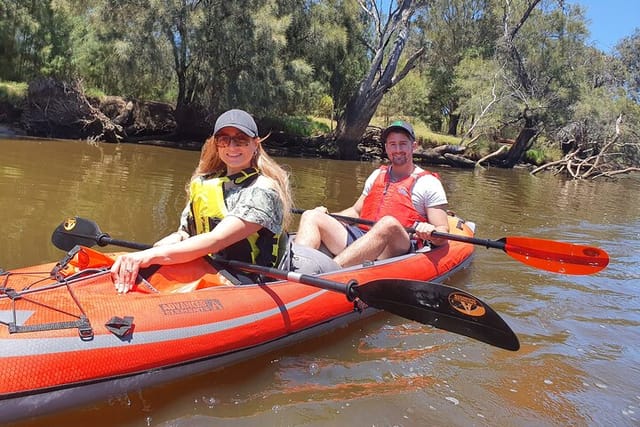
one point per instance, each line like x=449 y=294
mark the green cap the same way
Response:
x=399 y=125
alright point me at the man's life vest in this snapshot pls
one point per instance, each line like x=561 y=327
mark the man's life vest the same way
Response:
x=392 y=198
x=208 y=208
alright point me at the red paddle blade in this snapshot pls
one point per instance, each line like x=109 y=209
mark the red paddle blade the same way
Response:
x=558 y=257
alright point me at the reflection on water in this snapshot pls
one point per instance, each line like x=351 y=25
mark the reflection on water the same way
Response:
x=579 y=361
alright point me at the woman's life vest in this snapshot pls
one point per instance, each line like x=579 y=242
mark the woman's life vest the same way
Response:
x=392 y=198
x=208 y=208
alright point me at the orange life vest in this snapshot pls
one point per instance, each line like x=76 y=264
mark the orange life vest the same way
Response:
x=392 y=198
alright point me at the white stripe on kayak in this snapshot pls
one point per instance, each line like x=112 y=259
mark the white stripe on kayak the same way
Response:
x=40 y=346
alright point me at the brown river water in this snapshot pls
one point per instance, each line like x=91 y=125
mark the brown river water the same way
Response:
x=579 y=362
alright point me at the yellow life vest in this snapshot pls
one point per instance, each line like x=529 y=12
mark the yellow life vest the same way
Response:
x=208 y=208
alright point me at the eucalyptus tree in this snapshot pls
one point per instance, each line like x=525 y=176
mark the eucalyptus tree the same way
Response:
x=245 y=64
x=119 y=49
x=207 y=54
x=407 y=98
x=545 y=84
x=385 y=42
x=34 y=40
x=454 y=29
x=600 y=138
x=326 y=37
x=540 y=44
x=628 y=52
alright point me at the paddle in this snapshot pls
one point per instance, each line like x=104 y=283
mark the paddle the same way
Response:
x=549 y=255
x=434 y=304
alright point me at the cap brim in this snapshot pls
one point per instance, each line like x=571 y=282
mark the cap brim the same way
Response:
x=241 y=128
x=388 y=130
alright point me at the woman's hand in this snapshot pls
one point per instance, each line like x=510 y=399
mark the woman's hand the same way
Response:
x=124 y=271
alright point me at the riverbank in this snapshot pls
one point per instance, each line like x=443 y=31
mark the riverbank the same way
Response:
x=70 y=114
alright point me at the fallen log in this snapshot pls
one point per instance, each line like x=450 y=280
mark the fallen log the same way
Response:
x=449 y=154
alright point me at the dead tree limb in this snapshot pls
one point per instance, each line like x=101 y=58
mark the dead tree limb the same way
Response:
x=494 y=154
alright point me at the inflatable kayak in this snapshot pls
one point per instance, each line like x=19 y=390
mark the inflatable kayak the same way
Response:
x=67 y=338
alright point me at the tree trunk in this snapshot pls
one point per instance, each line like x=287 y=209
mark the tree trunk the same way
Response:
x=379 y=79
x=523 y=142
x=454 y=120
x=354 y=122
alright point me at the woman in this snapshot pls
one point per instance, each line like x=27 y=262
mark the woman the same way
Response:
x=239 y=205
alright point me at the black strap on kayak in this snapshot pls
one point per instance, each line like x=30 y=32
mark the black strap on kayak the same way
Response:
x=61 y=265
x=223 y=271
x=84 y=327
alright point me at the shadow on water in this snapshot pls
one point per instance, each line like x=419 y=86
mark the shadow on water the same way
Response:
x=579 y=360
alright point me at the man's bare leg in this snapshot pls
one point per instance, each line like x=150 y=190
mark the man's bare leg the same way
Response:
x=316 y=227
x=386 y=239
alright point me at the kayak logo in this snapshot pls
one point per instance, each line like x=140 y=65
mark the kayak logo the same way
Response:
x=191 y=307
x=69 y=224
x=466 y=304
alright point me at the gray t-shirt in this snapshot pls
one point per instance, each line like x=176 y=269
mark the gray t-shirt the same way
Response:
x=258 y=203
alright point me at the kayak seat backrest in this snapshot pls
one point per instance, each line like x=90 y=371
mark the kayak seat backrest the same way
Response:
x=284 y=251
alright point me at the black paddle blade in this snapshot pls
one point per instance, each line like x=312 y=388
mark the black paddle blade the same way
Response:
x=441 y=306
x=75 y=231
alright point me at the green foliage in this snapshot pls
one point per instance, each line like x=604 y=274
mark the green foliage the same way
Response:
x=483 y=93
x=327 y=36
x=12 y=92
x=324 y=106
x=455 y=29
x=296 y=125
x=95 y=93
x=406 y=98
x=594 y=122
x=34 y=41
x=535 y=156
x=543 y=151
x=628 y=52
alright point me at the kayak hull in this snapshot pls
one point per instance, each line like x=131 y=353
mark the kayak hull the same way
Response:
x=69 y=342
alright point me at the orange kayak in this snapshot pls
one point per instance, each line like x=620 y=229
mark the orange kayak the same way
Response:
x=69 y=339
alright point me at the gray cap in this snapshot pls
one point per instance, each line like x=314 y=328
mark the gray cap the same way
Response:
x=238 y=119
x=398 y=125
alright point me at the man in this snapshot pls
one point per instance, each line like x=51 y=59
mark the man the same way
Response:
x=396 y=196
